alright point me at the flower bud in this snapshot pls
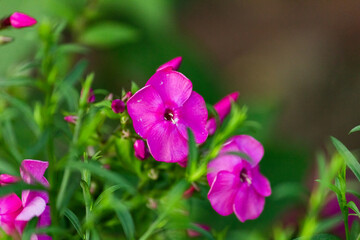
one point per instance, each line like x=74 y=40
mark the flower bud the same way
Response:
x=118 y=106
x=193 y=233
x=127 y=96
x=71 y=119
x=141 y=150
x=5 y=40
x=21 y=20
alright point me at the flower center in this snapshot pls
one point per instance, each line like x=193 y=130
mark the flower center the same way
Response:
x=169 y=115
x=244 y=176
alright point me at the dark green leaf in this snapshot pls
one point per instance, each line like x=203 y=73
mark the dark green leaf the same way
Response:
x=17 y=188
x=74 y=221
x=353 y=206
x=29 y=229
x=125 y=218
x=193 y=154
x=319 y=237
x=107 y=192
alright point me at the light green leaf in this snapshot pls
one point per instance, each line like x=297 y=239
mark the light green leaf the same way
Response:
x=193 y=154
x=353 y=206
x=355 y=129
x=125 y=218
x=349 y=158
x=109 y=34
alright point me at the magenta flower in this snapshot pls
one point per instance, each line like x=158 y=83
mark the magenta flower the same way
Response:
x=236 y=185
x=223 y=108
x=163 y=110
x=71 y=119
x=21 y=20
x=141 y=150
x=15 y=213
x=6 y=179
x=173 y=64
x=118 y=106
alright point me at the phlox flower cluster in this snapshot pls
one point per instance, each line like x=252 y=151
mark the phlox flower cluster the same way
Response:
x=161 y=113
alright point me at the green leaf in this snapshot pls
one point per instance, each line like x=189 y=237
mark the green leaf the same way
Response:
x=29 y=229
x=74 y=221
x=8 y=168
x=134 y=87
x=203 y=232
x=328 y=223
x=355 y=129
x=64 y=197
x=193 y=154
x=349 y=158
x=16 y=82
x=103 y=173
x=107 y=192
x=125 y=218
x=355 y=231
x=333 y=188
x=109 y=34
x=353 y=206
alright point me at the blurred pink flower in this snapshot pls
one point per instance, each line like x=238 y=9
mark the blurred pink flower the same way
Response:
x=6 y=179
x=10 y=207
x=163 y=110
x=21 y=20
x=71 y=119
x=236 y=185
x=117 y=106
x=141 y=150
x=223 y=108
x=173 y=64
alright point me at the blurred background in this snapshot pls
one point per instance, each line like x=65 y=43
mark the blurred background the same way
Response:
x=296 y=65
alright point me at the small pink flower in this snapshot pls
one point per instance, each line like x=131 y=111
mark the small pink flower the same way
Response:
x=163 y=110
x=71 y=119
x=6 y=179
x=236 y=185
x=173 y=64
x=118 y=106
x=194 y=233
x=141 y=150
x=21 y=20
x=223 y=108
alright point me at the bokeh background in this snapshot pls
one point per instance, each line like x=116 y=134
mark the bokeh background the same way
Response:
x=296 y=65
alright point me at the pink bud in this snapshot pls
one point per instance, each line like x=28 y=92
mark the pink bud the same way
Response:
x=118 y=106
x=127 y=96
x=91 y=97
x=188 y=193
x=223 y=108
x=173 y=64
x=141 y=150
x=71 y=119
x=21 y=20
x=7 y=179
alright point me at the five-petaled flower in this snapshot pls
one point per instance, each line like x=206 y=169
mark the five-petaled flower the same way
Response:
x=164 y=109
x=237 y=185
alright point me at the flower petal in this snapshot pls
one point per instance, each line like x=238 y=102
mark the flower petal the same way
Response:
x=230 y=163
x=248 y=203
x=248 y=145
x=9 y=203
x=223 y=191
x=173 y=64
x=7 y=179
x=173 y=87
x=33 y=209
x=261 y=183
x=193 y=114
x=33 y=171
x=145 y=108
x=166 y=144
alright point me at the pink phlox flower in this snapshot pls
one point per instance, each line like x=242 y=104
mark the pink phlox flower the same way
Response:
x=34 y=202
x=236 y=185
x=21 y=20
x=118 y=106
x=223 y=108
x=10 y=207
x=163 y=110
x=141 y=150
x=6 y=179
x=173 y=64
